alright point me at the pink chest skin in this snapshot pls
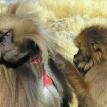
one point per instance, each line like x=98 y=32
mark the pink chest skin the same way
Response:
x=47 y=81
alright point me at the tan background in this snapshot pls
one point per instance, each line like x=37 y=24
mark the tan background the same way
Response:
x=66 y=18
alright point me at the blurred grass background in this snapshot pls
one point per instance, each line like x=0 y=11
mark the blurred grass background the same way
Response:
x=66 y=18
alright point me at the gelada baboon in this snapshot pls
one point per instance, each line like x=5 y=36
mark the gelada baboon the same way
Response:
x=92 y=56
x=28 y=74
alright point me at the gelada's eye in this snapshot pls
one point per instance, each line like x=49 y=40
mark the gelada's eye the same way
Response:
x=5 y=34
x=1 y=37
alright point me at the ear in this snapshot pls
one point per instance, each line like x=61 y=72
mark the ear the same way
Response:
x=12 y=8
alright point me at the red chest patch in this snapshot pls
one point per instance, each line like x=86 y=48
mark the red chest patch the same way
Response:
x=47 y=81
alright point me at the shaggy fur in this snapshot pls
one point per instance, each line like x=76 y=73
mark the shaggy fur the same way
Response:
x=92 y=44
x=20 y=80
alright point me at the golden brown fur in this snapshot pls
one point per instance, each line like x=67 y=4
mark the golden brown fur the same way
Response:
x=92 y=44
x=20 y=81
x=77 y=82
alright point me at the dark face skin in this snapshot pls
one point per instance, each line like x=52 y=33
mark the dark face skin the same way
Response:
x=12 y=51
x=80 y=58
